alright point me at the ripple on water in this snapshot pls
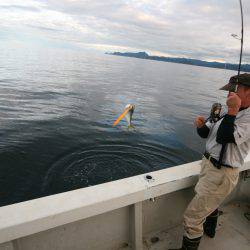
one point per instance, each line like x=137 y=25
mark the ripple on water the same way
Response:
x=106 y=162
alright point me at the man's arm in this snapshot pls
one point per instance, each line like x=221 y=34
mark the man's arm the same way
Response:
x=202 y=129
x=225 y=133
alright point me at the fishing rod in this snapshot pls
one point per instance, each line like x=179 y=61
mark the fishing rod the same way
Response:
x=216 y=108
x=242 y=36
x=223 y=149
x=241 y=41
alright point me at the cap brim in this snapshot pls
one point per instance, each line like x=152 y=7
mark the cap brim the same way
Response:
x=226 y=87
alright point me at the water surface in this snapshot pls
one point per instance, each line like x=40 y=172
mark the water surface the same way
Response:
x=57 y=108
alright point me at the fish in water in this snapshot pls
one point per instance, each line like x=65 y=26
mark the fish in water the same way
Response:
x=127 y=113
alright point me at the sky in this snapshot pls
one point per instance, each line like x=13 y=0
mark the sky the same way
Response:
x=198 y=29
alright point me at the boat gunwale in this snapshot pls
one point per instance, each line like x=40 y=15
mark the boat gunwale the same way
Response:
x=33 y=216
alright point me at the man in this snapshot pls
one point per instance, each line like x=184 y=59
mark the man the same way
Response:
x=219 y=175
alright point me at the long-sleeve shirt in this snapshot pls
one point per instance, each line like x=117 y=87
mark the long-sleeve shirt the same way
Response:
x=234 y=131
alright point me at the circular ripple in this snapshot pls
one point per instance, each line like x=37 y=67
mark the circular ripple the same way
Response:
x=106 y=162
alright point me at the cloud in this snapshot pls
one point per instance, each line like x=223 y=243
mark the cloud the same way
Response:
x=44 y=28
x=191 y=28
x=18 y=7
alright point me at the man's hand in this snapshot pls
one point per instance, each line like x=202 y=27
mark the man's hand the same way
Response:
x=199 y=121
x=233 y=103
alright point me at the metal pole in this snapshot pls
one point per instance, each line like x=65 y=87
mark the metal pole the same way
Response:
x=242 y=36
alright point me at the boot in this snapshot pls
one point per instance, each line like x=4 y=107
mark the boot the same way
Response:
x=210 y=224
x=189 y=244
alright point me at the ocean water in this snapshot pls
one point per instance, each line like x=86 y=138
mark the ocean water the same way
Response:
x=57 y=108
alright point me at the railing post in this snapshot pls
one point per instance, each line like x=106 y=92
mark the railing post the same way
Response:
x=136 y=226
x=7 y=246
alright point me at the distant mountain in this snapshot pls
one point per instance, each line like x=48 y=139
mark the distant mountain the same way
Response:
x=196 y=62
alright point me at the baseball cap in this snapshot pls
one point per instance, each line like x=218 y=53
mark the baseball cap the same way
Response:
x=242 y=79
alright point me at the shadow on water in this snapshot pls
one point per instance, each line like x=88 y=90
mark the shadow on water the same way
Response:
x=65 y=159
x=115 y=157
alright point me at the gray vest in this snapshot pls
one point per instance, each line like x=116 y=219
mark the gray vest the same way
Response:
x=235 y=153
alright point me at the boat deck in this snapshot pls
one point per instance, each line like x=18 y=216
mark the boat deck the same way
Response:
x=233 y=232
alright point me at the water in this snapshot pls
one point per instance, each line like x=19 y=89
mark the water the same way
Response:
x=56 y=113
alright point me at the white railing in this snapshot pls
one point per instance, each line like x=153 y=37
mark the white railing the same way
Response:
x=26 y=218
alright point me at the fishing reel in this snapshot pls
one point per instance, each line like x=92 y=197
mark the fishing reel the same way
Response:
x=215 y=113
